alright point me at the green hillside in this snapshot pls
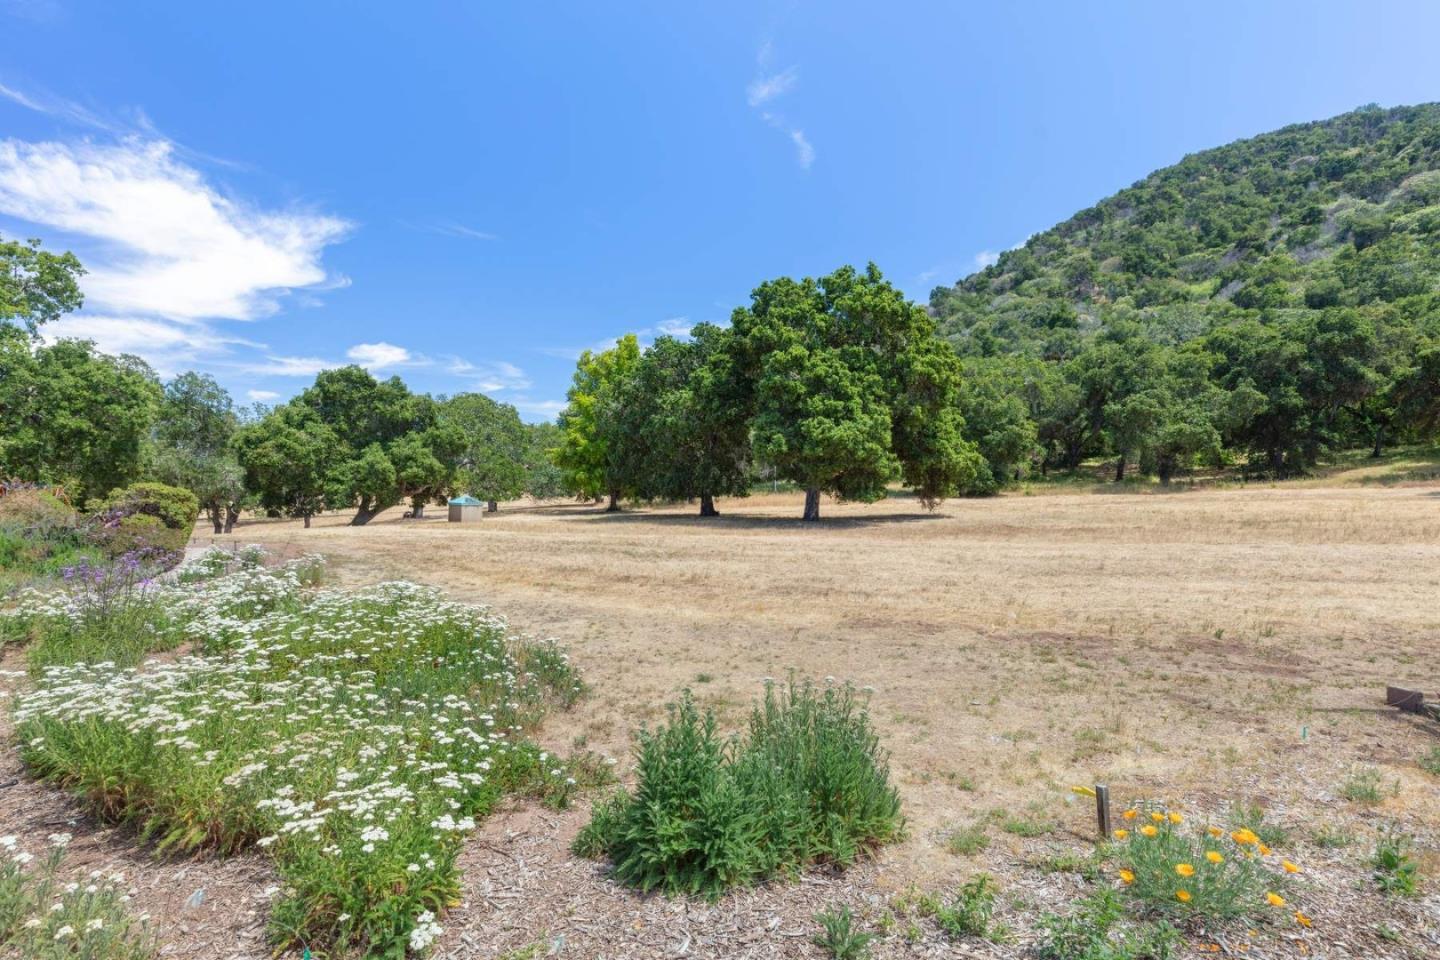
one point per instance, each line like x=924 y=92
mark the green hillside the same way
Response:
x=1262 y=302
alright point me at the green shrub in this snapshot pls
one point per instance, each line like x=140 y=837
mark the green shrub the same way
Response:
x=1207 y=873
x=708 y=813
x=968 y=841
x=145 y=515
x=1362 y=785
x=1395 y=870
x=1097 y=929
x=839 y=937
x=816 y=767
x=175 y=507
x=969 y=913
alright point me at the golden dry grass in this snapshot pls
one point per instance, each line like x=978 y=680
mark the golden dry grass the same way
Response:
x=1198 y=647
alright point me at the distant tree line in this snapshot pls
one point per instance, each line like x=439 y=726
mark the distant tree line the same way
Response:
x=92 y=424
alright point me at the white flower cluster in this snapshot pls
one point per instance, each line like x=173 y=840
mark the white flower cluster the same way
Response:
x=362 y=731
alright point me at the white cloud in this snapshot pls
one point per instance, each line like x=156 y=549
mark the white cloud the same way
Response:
x=766 y=88
x=262 y=396
x=543 y=408
x=769 y=86
x=167 y=346
x=460 y=230
x=273 y=366
x=170 y=244
x=382 y=355
x=492 y=376
x=804 y=152
x=986 y=258
x=16 y=96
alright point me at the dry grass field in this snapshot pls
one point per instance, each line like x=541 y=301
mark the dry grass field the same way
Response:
x=1200 y=648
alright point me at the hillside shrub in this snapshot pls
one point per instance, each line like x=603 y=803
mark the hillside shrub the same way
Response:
x=145 y=515
x=808 y=783
x=39 y=536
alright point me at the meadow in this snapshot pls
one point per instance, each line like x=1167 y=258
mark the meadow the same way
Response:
x=1221 y=649
x=1216 y=656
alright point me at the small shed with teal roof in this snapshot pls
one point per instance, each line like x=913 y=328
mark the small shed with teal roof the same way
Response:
x=466 y=509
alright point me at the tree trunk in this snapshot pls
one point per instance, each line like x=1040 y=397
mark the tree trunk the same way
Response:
x=232 y=513
x=1120 y=469
x=491 y=506
x=418 y=511
x=707 y=506
x=307 y=521
x=1165 y=467
x=1379 y=442
x=364 y=514
x=614 y=503
x=214 y=511
x=812 y=503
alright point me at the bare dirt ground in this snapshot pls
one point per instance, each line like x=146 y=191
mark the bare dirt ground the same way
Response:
x=1197 y=648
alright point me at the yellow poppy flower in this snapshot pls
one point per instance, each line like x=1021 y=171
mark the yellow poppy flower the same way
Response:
x=1216 y=832
x=1214 y=856
x=1176 y=818
x=1274 y=899
x=1301 y=919
x=1157 y=816
x=1182 y=895
x=1149 y=830
x=1127 y=877
x=1289 y=867
x=1184 y=869
x=1130 y=814
x=1121 y=834
x=1244 y=836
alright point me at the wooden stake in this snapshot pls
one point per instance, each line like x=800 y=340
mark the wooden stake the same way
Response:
x=1102 y=810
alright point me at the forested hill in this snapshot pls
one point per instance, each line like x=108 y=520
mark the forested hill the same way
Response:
x=1324 y=237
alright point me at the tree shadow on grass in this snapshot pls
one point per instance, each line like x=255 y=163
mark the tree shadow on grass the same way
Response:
x=744 y=521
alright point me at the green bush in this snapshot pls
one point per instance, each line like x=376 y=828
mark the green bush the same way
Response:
x=1395 y=870
x=838 y=935
x=1098 y=930
x=970 y=912
x=175 y=507
x=708 y=813
x=146 y=515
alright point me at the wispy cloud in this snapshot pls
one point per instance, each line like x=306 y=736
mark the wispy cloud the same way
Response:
x=804 y=152
x=769 y=86
x=262 y=396
x=542 y=408
x=491 y=376
x=766 y=88
x=985 y=258
x=452 y=229
x=679 y=327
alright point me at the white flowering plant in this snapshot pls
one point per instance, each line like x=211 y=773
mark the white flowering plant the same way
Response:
x=43 y=917
x=354 y=736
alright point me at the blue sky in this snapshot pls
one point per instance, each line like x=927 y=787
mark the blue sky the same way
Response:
x=469 y=194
